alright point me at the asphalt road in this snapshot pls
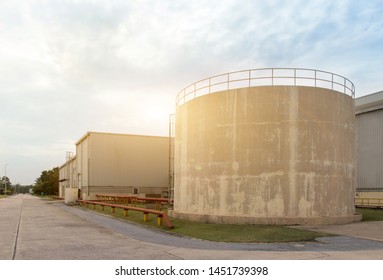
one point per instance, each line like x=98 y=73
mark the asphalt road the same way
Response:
x=31 y=228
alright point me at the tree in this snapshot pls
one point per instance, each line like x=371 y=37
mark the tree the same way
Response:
x=22 y=188
x=5 y=181
x=48 y=182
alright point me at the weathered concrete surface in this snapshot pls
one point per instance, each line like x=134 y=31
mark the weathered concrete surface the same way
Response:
x=55 y=231
x=365 y=230
x=274 y=155
x=10 y=210
x=48 y=232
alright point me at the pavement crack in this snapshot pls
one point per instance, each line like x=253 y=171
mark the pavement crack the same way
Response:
x=322 y=257
x=173 y=255
x=17 y=231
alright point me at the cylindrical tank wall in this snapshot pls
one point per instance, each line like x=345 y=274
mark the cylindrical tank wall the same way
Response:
x=267 y=154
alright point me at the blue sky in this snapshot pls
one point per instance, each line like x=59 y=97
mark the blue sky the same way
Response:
x=68 y=67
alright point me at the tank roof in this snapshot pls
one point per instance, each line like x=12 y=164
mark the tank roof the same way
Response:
x=266 y=77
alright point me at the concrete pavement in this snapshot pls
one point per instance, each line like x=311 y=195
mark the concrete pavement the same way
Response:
x=31 y=228
x=365 y=230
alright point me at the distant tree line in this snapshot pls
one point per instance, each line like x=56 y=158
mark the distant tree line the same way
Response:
x=46 y=184
x=12 y=189
x=21 y=189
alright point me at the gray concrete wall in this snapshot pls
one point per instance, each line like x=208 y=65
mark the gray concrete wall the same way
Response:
x=279 y=155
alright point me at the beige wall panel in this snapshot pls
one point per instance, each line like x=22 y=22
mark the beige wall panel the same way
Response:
x=82 y=158
x=362 y=194
x=67 y=176
x=73 y=176
x=62 y=177
x=124 y=190
x=128 y=160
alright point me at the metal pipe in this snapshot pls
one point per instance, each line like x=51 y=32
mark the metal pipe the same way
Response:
x=5 y=179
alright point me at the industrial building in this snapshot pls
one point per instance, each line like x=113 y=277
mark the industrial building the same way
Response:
x=68 y=186
x=266 y=146
x=369 y=128
x=108 y=163
x=260 y=146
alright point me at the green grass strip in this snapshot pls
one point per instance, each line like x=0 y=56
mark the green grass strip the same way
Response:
x=370 y=214
x=220 y=232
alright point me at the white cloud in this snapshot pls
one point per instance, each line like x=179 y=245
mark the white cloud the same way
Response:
x=72 y=66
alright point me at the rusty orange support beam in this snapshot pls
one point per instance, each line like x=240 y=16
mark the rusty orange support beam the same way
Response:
x=160 y=214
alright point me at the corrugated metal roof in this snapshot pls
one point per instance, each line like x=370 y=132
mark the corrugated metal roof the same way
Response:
x=369 y=103
x=110 y=133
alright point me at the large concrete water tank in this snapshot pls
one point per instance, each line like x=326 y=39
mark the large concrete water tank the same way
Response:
x=266 y=146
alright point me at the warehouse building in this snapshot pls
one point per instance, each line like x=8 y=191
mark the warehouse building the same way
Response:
x=369 y=129
x=108 y=163
x=68 y=187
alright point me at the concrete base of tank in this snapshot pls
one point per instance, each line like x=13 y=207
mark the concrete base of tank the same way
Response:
x=215 y=219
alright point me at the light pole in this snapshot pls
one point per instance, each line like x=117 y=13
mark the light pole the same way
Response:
x=5 y=180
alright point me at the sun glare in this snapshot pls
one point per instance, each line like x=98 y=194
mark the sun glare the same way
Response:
x=156 y=112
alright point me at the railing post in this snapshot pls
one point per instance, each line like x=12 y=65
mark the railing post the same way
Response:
x=306 y=75
x=184 y=96
x=344 y=85
x=228 y=80
x=159 y=220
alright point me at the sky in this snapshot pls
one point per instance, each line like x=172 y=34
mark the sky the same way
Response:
x=68 y=67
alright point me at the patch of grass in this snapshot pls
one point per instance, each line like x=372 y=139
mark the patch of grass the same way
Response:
x=370 y=214
x=243 y=233
x=221 y=232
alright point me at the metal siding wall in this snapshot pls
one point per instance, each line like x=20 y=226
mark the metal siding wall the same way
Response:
x=128 y=160
x=82 y=164
x=78 y=163
x=370 y=150
x=72 y=174
x=62 y=175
